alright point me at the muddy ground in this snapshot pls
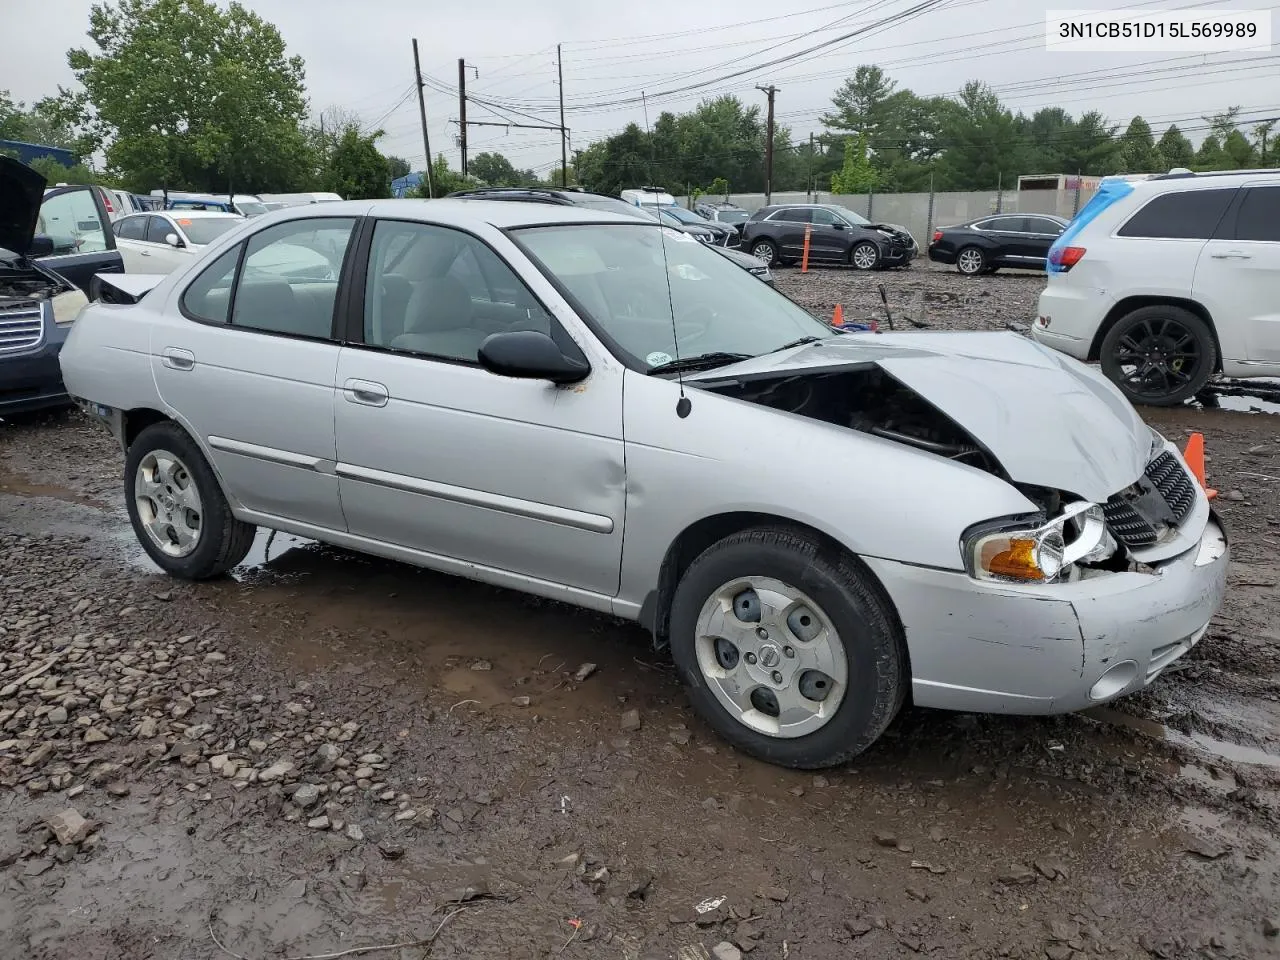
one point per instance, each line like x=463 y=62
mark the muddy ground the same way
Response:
x=325 y=752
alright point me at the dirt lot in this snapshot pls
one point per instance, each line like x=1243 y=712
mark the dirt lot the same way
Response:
x=326 y=752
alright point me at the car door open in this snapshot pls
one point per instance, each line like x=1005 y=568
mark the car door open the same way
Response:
x=439 y=456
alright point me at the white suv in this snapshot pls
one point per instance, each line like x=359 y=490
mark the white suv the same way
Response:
x=1169 y=280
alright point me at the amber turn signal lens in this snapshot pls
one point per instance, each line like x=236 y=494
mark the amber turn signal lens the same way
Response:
x=1015 y=558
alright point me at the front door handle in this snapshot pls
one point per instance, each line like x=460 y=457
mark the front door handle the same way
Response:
x=1232 y=255
x=366 y=392
x=176 y=358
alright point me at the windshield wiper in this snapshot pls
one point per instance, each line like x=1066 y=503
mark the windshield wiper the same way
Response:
x=701 y=361
x=796 y=343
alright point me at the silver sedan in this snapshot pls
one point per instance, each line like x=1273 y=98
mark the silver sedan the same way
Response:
x=817 y=525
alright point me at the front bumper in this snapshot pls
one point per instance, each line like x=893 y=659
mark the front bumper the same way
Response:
x=891 y=255
x=32 y=381
x=1044 y=649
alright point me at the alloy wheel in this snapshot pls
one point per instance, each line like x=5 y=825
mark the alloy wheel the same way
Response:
x=168 y=503
x=1157 y=357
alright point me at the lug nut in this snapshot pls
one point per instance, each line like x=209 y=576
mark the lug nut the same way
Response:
x=750 y=658
x=762 y=633
x=777 y=677
x=789 y=652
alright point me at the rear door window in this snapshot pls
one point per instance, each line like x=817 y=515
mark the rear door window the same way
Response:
x=1183 y=215
x=131 y=228
x=794 y=215
x=1259 y=216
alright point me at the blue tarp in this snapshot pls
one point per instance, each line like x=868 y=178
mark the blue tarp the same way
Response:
x=26 y=152
x=402 y=185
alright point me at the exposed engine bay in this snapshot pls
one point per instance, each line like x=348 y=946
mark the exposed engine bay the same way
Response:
x=866 y=399
x=36 y=288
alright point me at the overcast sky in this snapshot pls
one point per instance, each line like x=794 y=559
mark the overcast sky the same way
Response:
x=358 y=56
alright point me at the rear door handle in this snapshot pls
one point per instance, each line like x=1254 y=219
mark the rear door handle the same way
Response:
x=176 y=358
x=1232 y=255
x=366 y=392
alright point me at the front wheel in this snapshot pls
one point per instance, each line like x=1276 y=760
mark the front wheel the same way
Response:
x=177 y=508
x=766 y=250
x=789 y=649
x=865 y=256
x=1159 y=355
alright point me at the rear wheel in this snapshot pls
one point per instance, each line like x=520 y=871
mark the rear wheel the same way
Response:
x=971 y=261
x=788 y=648
x=177 y=508
x=766 y=250
x=865 y=256
x=1160 y=355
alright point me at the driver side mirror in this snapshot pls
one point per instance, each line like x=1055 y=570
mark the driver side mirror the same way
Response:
x=530 y=355
x=41 y=246
x=838 y=225
x=173 y=240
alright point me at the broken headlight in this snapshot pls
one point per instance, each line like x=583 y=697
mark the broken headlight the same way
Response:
x=1012 y=552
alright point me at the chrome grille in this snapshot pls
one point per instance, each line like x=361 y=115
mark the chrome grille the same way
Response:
x=21 y=325
x=1161 y=500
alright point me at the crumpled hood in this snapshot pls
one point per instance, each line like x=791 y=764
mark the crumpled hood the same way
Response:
x=1049 y=419
x=21 y=192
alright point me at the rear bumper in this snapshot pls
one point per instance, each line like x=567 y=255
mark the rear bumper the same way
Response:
x=997 y=648
x=942 y=256
x=1068 y=317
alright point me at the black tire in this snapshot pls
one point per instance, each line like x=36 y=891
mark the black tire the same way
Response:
x=769 y=248
x=971 y=261
x=870 y=263
x=857 y=608
x=1167 y=339
x=223 y=540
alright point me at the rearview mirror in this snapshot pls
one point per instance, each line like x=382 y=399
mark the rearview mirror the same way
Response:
x=41 y=246
x=173 y=240
x=530 y=355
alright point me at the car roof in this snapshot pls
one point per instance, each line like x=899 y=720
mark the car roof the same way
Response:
x=190 y=214
x=458 y=212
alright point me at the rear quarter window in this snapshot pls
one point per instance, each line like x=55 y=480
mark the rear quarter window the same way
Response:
x=1182 y=215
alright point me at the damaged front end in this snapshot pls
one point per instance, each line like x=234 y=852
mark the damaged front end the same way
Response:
x=1111 y=495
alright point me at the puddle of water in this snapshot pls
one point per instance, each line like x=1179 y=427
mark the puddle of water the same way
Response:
x=1248 y=405
x=1198 y=742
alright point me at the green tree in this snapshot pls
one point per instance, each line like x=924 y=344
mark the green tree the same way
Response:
x=190 y=95
x=55 y=172
x=495 y=170
x=356 y=170
x=1176 y=149
x=397 y=167
x=444 y=180
x=1138 y=152
x=860 y=103
x=719 y=187
x=1210 y=156
x=1091 y=147
x=857 y=175
x=1262 y=135
x=983 y=145
x=1221 y=124
x=1238 y=151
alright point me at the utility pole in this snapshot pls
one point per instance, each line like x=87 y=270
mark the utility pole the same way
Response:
x=809 y=179
x=768 y=91
x=422 y=112
x=462 y=111
x=564 y=149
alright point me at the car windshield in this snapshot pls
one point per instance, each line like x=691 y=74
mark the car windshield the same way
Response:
x=250 y=208
x=857 y=219
x=683 y=215
x=610 y=204
x=202 y=230
x=619 y=274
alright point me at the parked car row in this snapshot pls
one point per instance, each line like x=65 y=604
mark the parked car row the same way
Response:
x=630 y=363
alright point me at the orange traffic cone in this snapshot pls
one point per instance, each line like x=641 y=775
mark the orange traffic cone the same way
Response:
x=1194 y=455
x=838 y=319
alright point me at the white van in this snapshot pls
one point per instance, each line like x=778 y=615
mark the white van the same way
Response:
x=649 y=197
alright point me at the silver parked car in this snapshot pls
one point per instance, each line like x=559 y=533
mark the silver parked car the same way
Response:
x=602 y=411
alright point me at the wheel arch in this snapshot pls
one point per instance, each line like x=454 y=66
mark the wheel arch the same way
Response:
x=1129 y=304
x=133 y=422
x=688 y=545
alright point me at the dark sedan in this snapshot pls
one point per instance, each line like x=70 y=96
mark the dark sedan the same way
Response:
x=775 y=234
x=989 y=243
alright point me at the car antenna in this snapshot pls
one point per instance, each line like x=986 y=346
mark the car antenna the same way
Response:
x=888 y=314
x=684 y=405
